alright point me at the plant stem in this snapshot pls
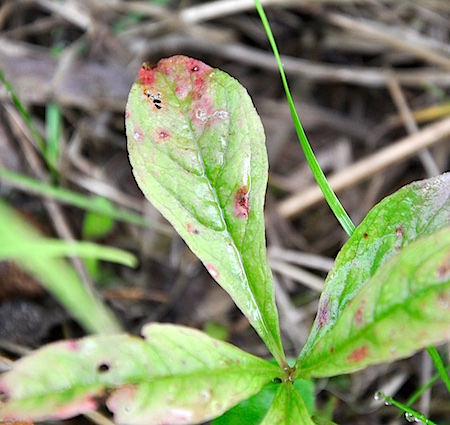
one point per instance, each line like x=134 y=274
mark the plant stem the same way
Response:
x=330 y=196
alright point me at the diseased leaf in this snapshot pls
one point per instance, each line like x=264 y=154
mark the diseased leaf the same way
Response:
x=176 y=375
x=288 y=408
x=416 y=210
x=196 y=145
x=404 y=307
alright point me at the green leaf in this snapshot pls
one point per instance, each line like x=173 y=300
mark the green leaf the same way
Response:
x=403 y=308
x=95 y=225
x=176 y=375
x=253 y=410
x=288 y=408
x=250 y=411
x=44 y=249
x=38 y=256
x=97 y=204
x=196 y=145
x=416 y=210
x=53 y=122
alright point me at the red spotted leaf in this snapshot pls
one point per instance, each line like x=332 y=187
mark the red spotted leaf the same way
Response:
x=175 y=375
x=403 y=308
x=197 y=148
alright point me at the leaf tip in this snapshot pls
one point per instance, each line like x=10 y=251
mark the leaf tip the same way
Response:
x=146 y=75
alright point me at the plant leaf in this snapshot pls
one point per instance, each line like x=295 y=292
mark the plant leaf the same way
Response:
x=253 y=410
x=196 y=145
x=403 y=308
x=416 y=210
x=19 y=241
x=176 y=375
x=288 y=408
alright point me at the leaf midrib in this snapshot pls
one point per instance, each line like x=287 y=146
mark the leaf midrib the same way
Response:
x=263 y=320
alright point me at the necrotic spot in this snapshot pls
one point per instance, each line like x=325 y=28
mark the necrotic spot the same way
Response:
x=103 y=367
x=241 y=204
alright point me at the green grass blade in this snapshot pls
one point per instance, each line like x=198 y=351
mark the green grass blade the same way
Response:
x=54 y=248
x=98 y=205
x=408 y=411
x=418 y=393
x=40 y=142
x=440 y=367
x=328 y=193
x=53 y=122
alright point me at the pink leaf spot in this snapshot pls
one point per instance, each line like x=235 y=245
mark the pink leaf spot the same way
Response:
x=137 y=135
x=399 y=231
x=86 y=404
x=358 y=354
x=200 y=71
x=212 y=271
x=443 y=301
x=127 y=115
x=196 y=66
x=191 y=229
x=161 y=135
x=359 y=314
x=71 y=345
x=146 y=74
x=322 y=314
x=241 y=206
x=4 y=392
x=121 y=398
x=443 y=271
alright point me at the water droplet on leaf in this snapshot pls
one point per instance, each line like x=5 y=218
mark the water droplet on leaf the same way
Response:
x=378 y=396
x=411 y=418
